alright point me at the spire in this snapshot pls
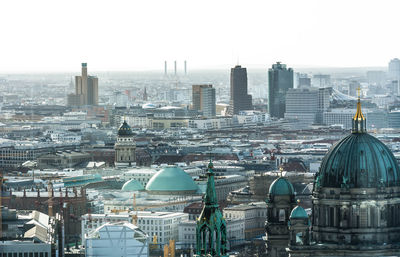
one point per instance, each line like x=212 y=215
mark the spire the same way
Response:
x=211 y=225
x=359 y=121
x=210 y=198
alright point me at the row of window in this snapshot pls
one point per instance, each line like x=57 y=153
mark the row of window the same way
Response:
x=42 y=254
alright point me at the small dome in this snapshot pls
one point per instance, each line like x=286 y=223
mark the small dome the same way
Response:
x=281 y=186
x=171 y=179
x=298 y=213
x=125 y=130
x=359 y=161
x=132 y=185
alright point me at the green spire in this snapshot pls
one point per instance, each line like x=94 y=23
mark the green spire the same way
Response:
x=211 y=226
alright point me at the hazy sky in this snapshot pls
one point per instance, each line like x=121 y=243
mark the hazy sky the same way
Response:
x=140 y=34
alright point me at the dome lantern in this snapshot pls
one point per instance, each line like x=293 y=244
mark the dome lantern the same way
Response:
x=359 y=123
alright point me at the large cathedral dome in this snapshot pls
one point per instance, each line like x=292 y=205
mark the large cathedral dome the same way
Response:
x=359 y=160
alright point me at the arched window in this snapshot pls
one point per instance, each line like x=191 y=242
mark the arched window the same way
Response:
x=282 y=215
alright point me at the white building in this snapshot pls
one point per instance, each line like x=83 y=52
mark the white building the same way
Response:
x=143 y=175
x=24 y=248
x=164 y=225
x=254 y=216
x=394 y=69
x=117 y=240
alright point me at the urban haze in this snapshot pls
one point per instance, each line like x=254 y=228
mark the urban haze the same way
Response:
x=169 y=128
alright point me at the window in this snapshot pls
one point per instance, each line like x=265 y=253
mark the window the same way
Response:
x=282 y=215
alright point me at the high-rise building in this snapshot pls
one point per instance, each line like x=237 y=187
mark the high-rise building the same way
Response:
x=240 y=99
x=302 y=105
x=394 y=69
x=204 y=99
x=280 y=79
x=86 y=90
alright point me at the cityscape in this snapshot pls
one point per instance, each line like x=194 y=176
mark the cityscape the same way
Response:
x=276 y=159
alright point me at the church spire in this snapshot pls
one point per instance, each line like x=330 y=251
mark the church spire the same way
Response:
x=211 y=226
x=359 y=121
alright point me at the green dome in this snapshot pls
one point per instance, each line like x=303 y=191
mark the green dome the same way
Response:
x=125 y=130
x=171 y=179
x=298 y=213
x=358 y=161
x=132 y=185
x=281 y=186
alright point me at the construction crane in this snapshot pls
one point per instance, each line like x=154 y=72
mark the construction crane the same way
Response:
x=134 y=216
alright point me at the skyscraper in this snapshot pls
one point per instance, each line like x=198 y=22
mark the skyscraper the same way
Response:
x=240 y=100
x=203 y=99
x=394 y=69
x=86 y=89
x=280 y=79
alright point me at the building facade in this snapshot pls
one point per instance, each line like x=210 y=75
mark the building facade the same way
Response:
x=203 y=99
x=125 y=147
x=280 y=79
x=86 y=90
x=240 y=100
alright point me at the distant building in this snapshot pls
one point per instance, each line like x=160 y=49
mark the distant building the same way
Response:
x=302 y=105
x=280 y=79
x=164 y=225
x=240 y=100
x=353 y=86
x=376 y=77
x=62 y=160
x=125 y=147
x=375 y=118
x=321 y=80
x=394 y=69
x=302 y=80
x=86 y=90
x=203 y=99
x=254 y=216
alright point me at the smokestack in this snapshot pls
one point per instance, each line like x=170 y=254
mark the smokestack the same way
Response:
x=165 y=68
x=175 y=67
x=185 y=68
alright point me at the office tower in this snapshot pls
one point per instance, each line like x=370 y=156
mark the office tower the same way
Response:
x=165 y=68
x=376 y=77
x=185 y=68
x=175 y=71
x=302 y=105
x=321 y=80
x=353 y=86
x=204 y=99
x=394 y=69
x=302 y=80
x=240 y=100
x=280 y=79
x=86 y=89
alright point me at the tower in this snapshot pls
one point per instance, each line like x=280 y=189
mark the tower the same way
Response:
x=280 y=202
x=203 y=99
x=165 y=68
x=125 y=147
x=145 y=95
x=280 y=79
x=211 y=226
x=86 y=89
x=175 y=69
x=239 y=100
x=185 y=67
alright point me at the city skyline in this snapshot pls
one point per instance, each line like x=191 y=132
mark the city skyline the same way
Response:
x=256 y=35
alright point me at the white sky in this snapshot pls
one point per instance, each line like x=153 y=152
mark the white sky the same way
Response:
x=58 y=35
